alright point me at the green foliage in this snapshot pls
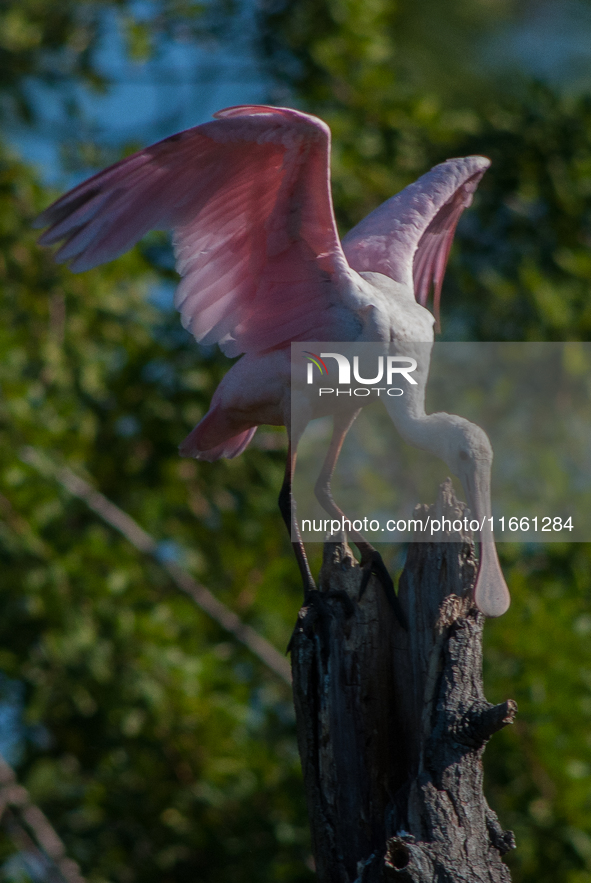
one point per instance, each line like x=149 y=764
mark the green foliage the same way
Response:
x=537 y=773
x=55 y=44
x=158 y=748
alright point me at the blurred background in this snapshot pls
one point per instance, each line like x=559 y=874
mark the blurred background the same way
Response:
x=160 y=748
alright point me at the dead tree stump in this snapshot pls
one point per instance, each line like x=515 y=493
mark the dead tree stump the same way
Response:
x=392 y=724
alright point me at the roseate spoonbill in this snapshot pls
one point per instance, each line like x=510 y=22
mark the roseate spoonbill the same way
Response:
x=248 y=199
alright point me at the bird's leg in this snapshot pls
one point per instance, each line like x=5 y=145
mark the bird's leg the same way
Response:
x=371 y=560
x=287 y=509
x=314 y=608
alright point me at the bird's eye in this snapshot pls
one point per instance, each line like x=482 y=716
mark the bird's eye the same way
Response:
x=464 y=455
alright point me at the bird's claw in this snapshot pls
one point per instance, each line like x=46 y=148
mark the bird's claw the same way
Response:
x=372 y=564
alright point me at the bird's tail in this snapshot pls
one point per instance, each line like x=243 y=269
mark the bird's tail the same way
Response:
x=202 y=442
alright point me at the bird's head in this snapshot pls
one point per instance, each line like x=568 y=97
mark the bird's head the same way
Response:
x=465 y=448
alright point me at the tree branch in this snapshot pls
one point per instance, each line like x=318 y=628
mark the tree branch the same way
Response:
x=17 y=808
x=392 y=723
x=144 y=542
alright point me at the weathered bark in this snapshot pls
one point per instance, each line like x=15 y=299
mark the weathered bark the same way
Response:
x=392 y=723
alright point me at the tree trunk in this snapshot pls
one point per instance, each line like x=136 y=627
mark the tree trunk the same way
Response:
x=392 y=723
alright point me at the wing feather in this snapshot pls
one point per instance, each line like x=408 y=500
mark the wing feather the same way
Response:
x=435 y=245
x=409 y=237
x=248 y=199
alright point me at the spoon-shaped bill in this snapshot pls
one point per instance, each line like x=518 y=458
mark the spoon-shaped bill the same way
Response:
x=491 y=594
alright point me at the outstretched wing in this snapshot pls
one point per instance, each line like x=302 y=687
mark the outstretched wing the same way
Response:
x=409 y=237
x=248 y=199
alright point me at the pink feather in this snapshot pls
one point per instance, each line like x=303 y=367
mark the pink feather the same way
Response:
x=248 y=198
x=419 y=222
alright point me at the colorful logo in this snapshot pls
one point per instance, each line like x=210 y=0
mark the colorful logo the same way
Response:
x=313 y=359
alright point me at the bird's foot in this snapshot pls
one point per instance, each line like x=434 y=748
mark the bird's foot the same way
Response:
x=372 y=564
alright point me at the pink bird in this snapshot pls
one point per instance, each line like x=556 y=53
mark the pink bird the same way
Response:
x=248 y=199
